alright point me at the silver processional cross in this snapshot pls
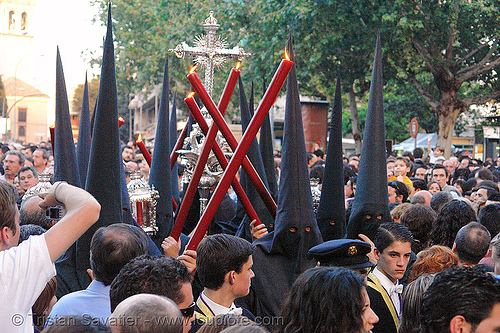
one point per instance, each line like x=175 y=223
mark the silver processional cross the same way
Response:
x=210 y=51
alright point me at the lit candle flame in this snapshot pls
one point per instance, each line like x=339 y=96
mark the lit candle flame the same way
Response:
x=192 y=70
x=191 y=94
x=120 y=119
x=139 y=138
x=238 y=65
x=286 y=56
x=52 y=126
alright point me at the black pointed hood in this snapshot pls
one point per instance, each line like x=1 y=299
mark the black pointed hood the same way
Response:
x=371 y=192
x=255 y=157
x=266 y=149
x=331 y=210
x=281 y=256
x=173 y=140
x=104 y=180
x=160 y=176
x=65 y=165
x=83 y=144
x=295 y=208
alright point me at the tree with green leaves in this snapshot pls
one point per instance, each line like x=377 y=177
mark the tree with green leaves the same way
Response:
x=448 y=51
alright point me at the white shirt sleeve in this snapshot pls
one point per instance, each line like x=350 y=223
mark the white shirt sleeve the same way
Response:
x=24 y=272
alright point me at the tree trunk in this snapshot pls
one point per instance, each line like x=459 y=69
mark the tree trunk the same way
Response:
x=356 y=128
x=447 y=112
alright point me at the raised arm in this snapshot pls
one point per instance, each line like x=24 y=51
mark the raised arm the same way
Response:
x=82 y=211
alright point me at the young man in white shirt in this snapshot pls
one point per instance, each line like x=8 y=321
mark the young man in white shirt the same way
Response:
x=392 y=251
x=26 y=269
x=224 y=266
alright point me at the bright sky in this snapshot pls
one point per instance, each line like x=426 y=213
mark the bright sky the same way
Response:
x=67 y=24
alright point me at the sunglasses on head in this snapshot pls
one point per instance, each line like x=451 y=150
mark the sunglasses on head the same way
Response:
x=189 y=311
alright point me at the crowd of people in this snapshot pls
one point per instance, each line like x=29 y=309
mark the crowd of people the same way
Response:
x=430 y=270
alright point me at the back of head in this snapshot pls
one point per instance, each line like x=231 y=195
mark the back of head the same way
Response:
x=452 y=216
x=8 y=206
x=489 y=216
x=439 y=199
x=458 y=292
x=31 y=213
x=391 y=232
x=489 y=183
x=419 y=184
x=418 y=152
x=146 y=313
x=472 y=243
x=221 y=322
x=419 y=220
x=484 y=174
x=219 y=254
x=150 y=275
x=245 y=329
x=114 y=246
x=433 y=260
x=411 y=303
x=331 y=296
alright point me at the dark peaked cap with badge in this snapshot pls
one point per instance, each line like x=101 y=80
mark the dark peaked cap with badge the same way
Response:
x=349 y=253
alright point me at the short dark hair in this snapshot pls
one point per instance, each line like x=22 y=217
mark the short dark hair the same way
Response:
x=218 y=255
x=162 y=276
x=317 y=172
x=460 y=291
x=319 y=153
x=330 y=296
x=489 y=216
x=8 y=206
x=472 y=243
x=390 y=232
x=418 y=152
x=452 y=216
x=127 y=147
x=439 y=166
x=484 y=174
x=439 y=199
x=400 y=188
x=419 y=184
x=419 y=220
x=18 y=154
x=114 y=246
x=26 y=168
x=489 y=190
x=489 y=183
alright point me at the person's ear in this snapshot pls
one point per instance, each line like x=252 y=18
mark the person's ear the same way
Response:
x=5 y=237
x=232 y=277
x=458 y=324
x=376 y=252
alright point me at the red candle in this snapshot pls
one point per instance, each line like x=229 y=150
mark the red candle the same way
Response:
x=210 y=135
x=52 y=130
x=120 y=122
x=237 y=158
x=233 y=143
x=139 y=217
x=229 y=88
x=144 y=151
x=178 y=145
